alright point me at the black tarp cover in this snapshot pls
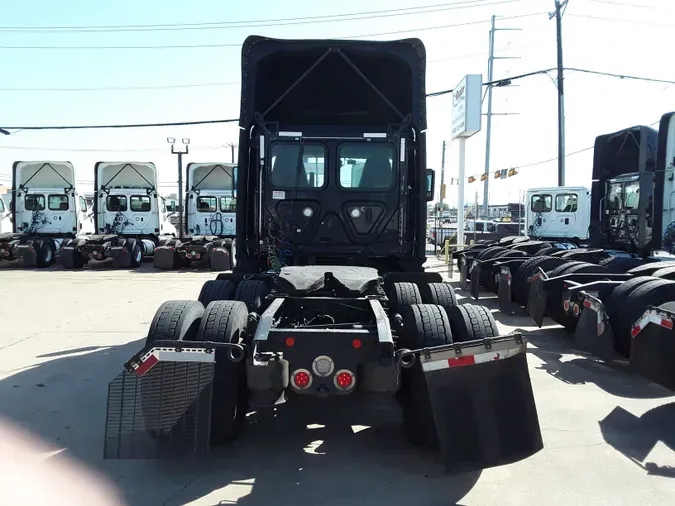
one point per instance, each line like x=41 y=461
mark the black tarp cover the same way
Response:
x=334 y=92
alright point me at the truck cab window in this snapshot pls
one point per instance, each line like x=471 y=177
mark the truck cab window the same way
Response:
x=57 y=202
x=140 y=204
x=366 y=166
x=566 y=203
x=34 y=202
x=2 y=206
x=83 y=205
x=116 y=203
x=541 y=203
x=228 y=204
x=632 y=195
x=285 y=172
x=206 y=205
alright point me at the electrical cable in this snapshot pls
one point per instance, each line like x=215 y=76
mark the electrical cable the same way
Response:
x=238 y=45
x=230 y=25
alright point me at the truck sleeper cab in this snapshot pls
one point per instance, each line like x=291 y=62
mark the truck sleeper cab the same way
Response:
x=210 y=220
x=130 y=217
x=558 y=213
x=47 y=211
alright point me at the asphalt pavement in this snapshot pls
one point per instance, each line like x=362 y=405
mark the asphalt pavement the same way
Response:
x=609 y=435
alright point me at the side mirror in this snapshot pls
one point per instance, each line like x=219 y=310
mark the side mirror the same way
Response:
x=431 y=180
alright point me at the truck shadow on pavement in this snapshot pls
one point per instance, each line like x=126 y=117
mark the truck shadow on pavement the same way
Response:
x=62 y=400
x=636 y=437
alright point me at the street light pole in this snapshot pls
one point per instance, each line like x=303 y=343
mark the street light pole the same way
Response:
x=180 y=154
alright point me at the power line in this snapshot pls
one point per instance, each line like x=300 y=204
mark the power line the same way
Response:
x=229 y=25
x=125 y=88
x=238 y=45
x=135 y=125
x=622 y=76
x=617 y=20
x=497 y=82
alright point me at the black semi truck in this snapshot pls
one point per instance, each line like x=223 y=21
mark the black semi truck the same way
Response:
x=329 y=297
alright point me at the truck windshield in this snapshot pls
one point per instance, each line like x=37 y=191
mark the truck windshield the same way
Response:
x=541 y=203
x=366 y=166
x=206 y=205
x=228 y=204
x=57 y=202
x=116 y=203
x=284 y=170
x=34 y=202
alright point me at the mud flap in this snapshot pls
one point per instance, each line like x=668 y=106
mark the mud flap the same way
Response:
x=652 y=351
x=160 y=405
x=536 y=303
x=120 y=256
x=482 y=402
x=164 y=258
x=594 y=333
x=28 y=253
x=475 y=279
x=504 y=291
x=219 y=259
x=67 y=256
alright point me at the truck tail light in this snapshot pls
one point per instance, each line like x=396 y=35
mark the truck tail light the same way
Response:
x=301 y=379
x=344 y=379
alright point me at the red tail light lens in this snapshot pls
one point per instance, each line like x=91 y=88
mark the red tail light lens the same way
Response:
x=302 y=379
x=344 y=379
x=356 y=343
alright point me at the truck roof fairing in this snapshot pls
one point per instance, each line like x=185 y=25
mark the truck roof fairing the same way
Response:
x=125 y=175
x=333 y=82
x=43 y=174
x=211 y=176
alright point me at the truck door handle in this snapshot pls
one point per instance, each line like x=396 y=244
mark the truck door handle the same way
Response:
x=567 y=221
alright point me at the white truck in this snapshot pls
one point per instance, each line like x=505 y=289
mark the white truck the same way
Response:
x=5 y=217
x=558 y=213
x=130 y=217
x=210 y=220
x=46 y=212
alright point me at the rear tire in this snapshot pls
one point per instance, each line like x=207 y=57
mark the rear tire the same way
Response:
x=216 y=289
x=470 y=322
x=45 y=254
x=176 y=320
x=440 y=294
x=402 y=295
x=424 y=325
x=252 y=293
x=225 y=321
x=652 y=293
x=135 y=252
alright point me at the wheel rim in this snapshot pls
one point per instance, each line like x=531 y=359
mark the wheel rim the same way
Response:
x=233 y=254
x=47 y=254
x=139 y=254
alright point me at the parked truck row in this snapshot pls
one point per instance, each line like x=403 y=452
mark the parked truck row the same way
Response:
x=128 y=220
x=598 y=261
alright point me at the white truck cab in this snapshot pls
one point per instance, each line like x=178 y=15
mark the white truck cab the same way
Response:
x=210 y=220
x=130 y=217
x=5 y=215
x=558 y=212
x=46 y=210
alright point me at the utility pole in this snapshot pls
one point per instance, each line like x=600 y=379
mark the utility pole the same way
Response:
x=231 y=145
x=561 y=96
x=488 y=130
x=180 y=154
x=442 y=178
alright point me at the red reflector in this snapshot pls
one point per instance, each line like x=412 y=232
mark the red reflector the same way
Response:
x=587 y=303
x=566 y=305
x=356 y=343
x=344 y=380
x=301 y=379
x=636 y=330
x=290 y=341
x=667 y=324
x=459 y=361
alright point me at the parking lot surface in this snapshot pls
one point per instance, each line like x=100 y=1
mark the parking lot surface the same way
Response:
x=609 y=435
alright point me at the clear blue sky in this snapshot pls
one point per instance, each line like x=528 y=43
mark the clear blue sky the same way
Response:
x=595 y=105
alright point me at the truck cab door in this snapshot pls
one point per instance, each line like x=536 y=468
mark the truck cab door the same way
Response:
x=564 y=217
